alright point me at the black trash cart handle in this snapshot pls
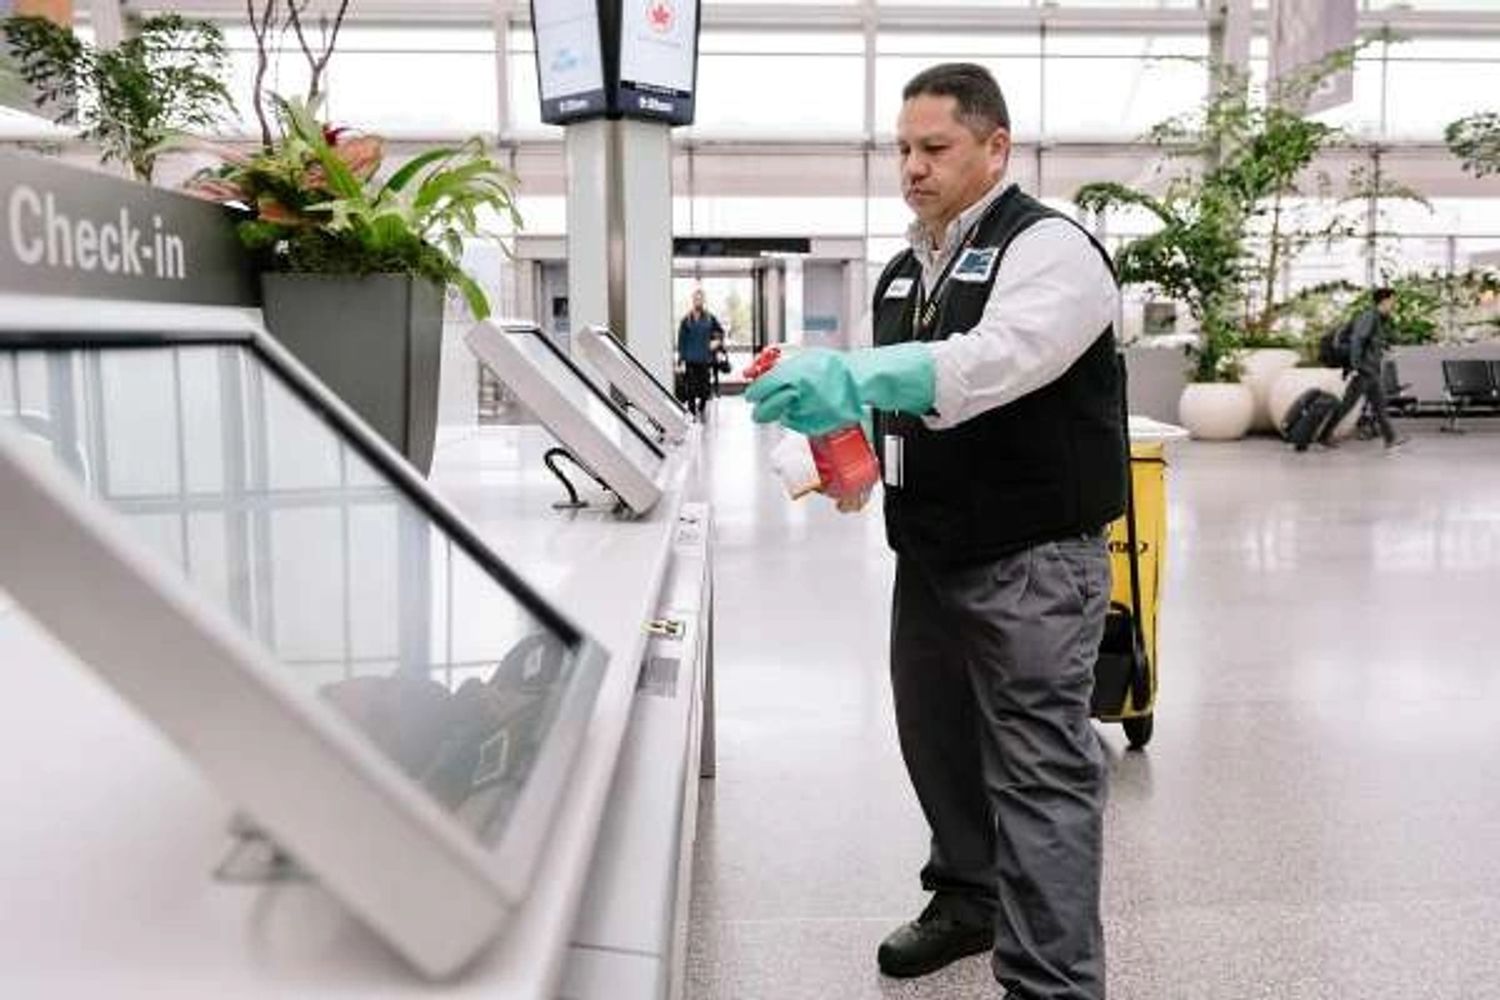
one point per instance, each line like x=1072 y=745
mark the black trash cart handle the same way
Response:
x=1140 y=680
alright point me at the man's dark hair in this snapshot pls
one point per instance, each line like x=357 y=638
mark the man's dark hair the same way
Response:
x=981 y=106
x=1383 y=293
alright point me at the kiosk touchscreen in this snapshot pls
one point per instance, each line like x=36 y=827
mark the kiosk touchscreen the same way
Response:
x=597 y=433
x=203 y=525
x=632 y=380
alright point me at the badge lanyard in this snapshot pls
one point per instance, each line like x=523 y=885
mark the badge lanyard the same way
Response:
x=927 y=306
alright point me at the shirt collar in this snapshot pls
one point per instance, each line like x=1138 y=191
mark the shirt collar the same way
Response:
x=916 y=233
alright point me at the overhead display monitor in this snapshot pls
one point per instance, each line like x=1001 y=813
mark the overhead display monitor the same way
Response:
x=630 y=59
x=658 y=60
x=569 y=59
x=633 y=380
x=596 y=432
x=289 y=602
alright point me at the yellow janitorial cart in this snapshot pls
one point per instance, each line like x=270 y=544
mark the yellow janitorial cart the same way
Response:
x=1126 y=676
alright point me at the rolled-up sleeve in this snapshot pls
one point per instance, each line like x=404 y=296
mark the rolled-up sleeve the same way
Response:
x=1052 y=298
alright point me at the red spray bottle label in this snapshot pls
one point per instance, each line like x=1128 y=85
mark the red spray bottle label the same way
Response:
x=845 y=461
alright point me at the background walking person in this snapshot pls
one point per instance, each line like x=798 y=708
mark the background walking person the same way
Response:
x=1367 y=344
x=696 y=335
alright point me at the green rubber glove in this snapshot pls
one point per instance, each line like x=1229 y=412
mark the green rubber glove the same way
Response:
x=900 y=378
x=818 y=391
x=812 y=392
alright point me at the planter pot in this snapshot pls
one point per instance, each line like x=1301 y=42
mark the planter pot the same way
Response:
x=1259 y=370
x=375 y=340
x=1295 y=381
x=1216 y=411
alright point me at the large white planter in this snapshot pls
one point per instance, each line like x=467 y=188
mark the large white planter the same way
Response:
x=1295 y=381
x=1259 y=370
x=1216 y=411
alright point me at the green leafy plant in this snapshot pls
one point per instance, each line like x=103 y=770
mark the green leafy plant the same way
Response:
x=1436 y=306
x=1430 y=308
x=1475 y=140
x=1225 y=231
x=165 y=79
x=317 y=205
x=1216 y=355
x=1312 y=311
x=1419 y=303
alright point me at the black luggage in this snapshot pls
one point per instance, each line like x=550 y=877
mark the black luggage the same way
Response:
x=1306 y=417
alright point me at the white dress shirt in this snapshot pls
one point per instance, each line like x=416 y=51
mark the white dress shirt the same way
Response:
x=1052 y=297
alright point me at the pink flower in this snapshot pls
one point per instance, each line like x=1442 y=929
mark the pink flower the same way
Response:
x=271 y=210
x=362 y=155
x=222 y=151
x=218 y=189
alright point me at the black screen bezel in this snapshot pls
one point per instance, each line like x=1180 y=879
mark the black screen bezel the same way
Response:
x=406 y=479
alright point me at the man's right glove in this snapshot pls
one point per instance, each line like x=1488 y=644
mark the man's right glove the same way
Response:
x=817 y=391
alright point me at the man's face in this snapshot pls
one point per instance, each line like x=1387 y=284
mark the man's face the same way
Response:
x=1387 y=305
x=945 y=167
x=698 y=301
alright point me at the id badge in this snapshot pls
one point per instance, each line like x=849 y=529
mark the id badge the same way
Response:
x=976 y=264
x=892 y=450
x=899 y=288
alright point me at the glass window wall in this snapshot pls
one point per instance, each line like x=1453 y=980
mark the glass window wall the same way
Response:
x=1110 y=86
x=1019 y=78
x=1079 y=99
x=395 y=81
x=787 y=83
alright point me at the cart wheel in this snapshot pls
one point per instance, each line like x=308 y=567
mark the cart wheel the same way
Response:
x=1138 y=730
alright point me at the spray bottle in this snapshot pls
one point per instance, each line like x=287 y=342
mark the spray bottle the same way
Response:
x=845 y=464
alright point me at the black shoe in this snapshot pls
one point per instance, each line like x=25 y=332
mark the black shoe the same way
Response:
x=1330 y=443
x=1397 y=442
x=930 y=942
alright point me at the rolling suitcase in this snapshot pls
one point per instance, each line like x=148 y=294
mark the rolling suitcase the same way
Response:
x=1305 y=418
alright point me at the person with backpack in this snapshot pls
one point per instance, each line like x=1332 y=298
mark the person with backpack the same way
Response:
x=1367 y=337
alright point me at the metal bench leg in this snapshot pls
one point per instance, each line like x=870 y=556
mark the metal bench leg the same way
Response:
x=1450 y=422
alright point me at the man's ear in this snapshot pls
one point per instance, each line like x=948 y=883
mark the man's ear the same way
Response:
x=999 y=149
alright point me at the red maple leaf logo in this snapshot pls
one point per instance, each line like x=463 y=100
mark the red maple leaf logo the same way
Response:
x=659 y=15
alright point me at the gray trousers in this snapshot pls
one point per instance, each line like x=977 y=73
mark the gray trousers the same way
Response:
x=993 y=668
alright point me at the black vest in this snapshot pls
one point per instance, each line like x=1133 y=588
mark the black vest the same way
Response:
x=1045 y=466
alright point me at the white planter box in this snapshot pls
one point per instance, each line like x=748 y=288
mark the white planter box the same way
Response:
x=1295 y=381
x=1216 y=411
x=1260 y=369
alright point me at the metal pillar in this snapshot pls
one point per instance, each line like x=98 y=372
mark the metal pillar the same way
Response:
x=620 y=234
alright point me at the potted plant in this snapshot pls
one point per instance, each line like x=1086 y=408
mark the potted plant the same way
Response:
x=165 y=79
x=1245 y=159
x=1215 y=406
x=1195 y=258
x=354 y=264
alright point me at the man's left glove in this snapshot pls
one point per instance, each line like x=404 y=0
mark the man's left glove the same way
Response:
x=817 y=391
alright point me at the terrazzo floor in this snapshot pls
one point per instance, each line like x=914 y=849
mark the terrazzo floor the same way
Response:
x=1317 y=817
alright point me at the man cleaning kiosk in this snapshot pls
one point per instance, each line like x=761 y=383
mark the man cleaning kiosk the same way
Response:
x=997 y=422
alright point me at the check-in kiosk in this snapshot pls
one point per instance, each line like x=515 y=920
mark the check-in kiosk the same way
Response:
x=440 y=741
x=625 y=374
x=594 y=433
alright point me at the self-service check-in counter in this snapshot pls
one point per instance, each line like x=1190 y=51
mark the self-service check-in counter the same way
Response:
x=210 y=570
